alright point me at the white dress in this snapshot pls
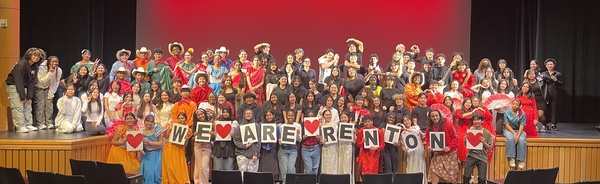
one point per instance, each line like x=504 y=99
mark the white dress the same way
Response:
x=68 y=119
x=164 y=115
x=113 y=100
x=415 y=159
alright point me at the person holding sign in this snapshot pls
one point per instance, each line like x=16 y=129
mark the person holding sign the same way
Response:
x=477 y=157
x=311 y=150
x=389 y=154
x=444 y=164
x=329 y=153
x=516 y=144
x=223 y=152
x=346 y=148
x=247 y=154
x=368 y=157
x=415 y=154
x=202 y=150
x=174 y=167
x=118 y=152
x=268 y=151
x=152 y=156
x=288 y=153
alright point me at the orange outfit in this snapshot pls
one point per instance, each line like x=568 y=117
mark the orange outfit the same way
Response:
x=412 y=91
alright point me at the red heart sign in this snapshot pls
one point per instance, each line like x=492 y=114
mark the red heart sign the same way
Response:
x=134 y=141
x=311 y=126
x=474 y=138
x=223 y=130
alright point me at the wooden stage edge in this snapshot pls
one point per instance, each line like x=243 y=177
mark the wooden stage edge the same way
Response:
x=578 y=159
x=51 y=155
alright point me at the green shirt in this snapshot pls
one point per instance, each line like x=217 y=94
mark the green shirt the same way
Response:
x=481 y=154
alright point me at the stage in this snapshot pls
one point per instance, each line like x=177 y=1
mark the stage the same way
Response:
x=575 y=148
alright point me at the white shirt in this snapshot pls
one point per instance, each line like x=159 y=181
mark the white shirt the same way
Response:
x=323 y=73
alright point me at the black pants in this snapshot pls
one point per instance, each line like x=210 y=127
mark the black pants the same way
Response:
x=389 y=156
x=481 y=170
x=499 y=123
x=551 y=108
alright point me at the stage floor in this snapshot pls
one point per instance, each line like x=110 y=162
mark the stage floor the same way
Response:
x=565 y=130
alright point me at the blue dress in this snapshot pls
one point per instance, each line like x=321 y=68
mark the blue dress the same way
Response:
x=216 y=77
x=151 y=161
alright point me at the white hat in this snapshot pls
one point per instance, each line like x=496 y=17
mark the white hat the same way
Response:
x=222 y=49
x=143 y=50
x=138 y=70
x=122 y=69
x=121 y=51
x=170 y=47
x=185 y=86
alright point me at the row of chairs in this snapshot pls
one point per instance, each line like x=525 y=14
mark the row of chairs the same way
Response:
x=235 y=177
x=13 y=176
x=537 y=176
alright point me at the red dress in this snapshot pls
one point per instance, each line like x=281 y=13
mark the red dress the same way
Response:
x=257 y=76
x=366 y=158
x=438 y=98
x=464 y=87
x=531 y=113
x=461 y=131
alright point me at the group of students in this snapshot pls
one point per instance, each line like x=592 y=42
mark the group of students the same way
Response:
x=151 y=95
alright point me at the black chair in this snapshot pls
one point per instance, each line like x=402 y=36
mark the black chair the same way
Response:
x=545 y=176
x=408 y=178
x=10 y=176
x=66 y=179
x=377 y=178
x=334 y=178
x=40 y=177
x=226 y=177
x=300 y=178
x=86 y=168
x=258 y=178
x=115 y=174
x=516 y=177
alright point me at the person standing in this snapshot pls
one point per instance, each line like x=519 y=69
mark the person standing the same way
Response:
x=48 y=79
x=554 y=80
x=20 y=86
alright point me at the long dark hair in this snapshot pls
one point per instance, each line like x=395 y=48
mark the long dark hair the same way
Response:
x=97 y=100
x=160 y=103
x=440 y=124
x=463 y=110
x=143 y=104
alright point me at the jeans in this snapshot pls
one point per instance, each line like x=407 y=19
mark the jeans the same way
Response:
x=43 y=107
x=481 y=170
x=513 y=148
x=223 y=164
x=21 y=112
x=389 y=156
x=311 y=158
x=287 y=162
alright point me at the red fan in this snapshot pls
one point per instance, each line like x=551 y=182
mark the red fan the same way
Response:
x=444 y=110
x=497 y=101
x=456 y=103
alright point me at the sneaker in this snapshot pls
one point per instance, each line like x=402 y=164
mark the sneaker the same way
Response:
x=50 y=126
x=42 y=127
x=544 y=128
x=553 y=126
x=22 y=130
x=511 y=162
x=521 y=164
x=32 y=128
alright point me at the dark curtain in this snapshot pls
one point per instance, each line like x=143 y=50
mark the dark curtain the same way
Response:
x=569 y=31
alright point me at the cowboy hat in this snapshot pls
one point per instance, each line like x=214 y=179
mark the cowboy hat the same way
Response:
x=410 y=78
x=143 y=50
x=121 y=69
x=138 y=70
x=222 y=49
x=171 y=45
x=185 y=86
x=121 y=51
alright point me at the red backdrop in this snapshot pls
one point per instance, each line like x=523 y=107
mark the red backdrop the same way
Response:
x=313 y=25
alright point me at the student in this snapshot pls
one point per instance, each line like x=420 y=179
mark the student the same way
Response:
x=122 y=64
x=268 y=151
x=516 y=144
x=174 y=165
x=389 y=154
x=223 y=152
x=433 y=95
x=48 y=79
x=151 y=162
x=412 y=90
x=118 y=152
x=288 y=153
x=140 y=78
x=202 y=151
x=368 y=158
x=415 y=159
x=93 y=109
x=20 y=86
x=247 y=154
x=477 y=157
x=330 y=151
x=420 y=112
x=68 y=119
x=444 y=164
x=158 y=70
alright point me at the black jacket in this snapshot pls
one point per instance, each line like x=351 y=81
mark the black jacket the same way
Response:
x=23 y=76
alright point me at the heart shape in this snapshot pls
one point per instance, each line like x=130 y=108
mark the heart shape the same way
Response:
x=134 y=140
x=223 y=130
x=474 y=138
x=312 y=126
